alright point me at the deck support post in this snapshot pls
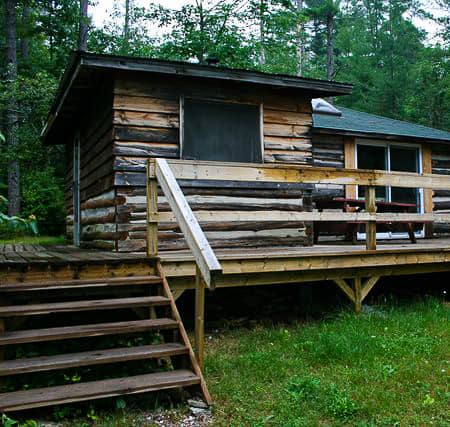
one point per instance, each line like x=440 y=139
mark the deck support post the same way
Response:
x=199 y=317
x=152 y=209
x=359 y=289
x=371 y=226
x=357 y=293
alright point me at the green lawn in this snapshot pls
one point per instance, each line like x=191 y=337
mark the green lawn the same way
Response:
x=388 y=366
x=38 y=240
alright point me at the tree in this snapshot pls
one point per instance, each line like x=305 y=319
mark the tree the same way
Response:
x=325 y=11
x=83 y=25
x=25 y=33
x=11 y=125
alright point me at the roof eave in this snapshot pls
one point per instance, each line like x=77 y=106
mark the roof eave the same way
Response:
x=347 y=132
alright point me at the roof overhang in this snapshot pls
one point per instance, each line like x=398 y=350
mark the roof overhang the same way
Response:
x=84 y=65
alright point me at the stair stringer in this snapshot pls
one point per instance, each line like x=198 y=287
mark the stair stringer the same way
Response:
x=183 y=334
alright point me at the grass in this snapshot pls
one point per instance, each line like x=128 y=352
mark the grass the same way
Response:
x=388 y=366
x=35 y=240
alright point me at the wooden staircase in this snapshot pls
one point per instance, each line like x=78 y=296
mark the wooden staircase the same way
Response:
x=77 y=314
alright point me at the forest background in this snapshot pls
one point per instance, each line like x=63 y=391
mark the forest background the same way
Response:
x=398 y=69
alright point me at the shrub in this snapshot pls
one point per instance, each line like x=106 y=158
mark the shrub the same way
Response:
x=43 y=196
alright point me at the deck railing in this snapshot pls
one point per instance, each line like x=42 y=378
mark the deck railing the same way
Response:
x=200 y=170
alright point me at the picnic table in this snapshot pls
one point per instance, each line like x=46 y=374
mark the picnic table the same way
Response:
x=356 y=205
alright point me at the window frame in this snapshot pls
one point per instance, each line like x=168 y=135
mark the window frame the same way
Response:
x=220 y=101
x=388 y=144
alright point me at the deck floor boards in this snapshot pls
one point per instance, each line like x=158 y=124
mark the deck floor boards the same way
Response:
x=323 y=261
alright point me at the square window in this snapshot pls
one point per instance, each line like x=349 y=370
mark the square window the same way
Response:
x=221 y=131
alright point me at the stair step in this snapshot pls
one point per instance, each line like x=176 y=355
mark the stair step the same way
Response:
x=62 y=307
x=87 y=358
x=39 y=397
x=81 y=283
x=81 y=331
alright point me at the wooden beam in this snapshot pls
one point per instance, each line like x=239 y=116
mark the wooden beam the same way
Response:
x=176 y=293
x=152 y=209
x=368 y=285
x=427 y=167
x=199 y=318
x=357 y=290
x=193 y=170
x=297 y=277
x=345 y=288
x=350 y=163
x=371 y=226
x=195 y=238
x=274 y=215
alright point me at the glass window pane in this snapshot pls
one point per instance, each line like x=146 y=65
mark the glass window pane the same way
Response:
x=405 y=159
x=372 y=157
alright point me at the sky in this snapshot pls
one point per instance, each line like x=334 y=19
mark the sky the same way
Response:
x=101 y=10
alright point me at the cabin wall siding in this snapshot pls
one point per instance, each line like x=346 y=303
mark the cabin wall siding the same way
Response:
x=146 y=120
x=96 y=172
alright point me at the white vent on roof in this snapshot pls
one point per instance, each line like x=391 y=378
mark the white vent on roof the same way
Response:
x=320 y=106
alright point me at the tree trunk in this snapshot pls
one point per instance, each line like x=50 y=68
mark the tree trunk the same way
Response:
x=330 y=47
x=330 y=50
x=262 y=51
x=300 y=50
x=25 y=39
x=126 y=25
x=11 y=123
x=83 y=25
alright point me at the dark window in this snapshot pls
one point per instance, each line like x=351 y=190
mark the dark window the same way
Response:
x=221 y=131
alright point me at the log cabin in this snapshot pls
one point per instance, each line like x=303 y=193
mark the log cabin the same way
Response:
x=114 y=113
x=183 y=176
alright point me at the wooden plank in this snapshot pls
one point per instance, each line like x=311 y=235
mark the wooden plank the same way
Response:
x=427 y=167
x=152 y=209
x=65 y=307
x=93 y=330
x=287 y=117
x=87 y=358
x=277 y=215
x=345 y=288
x=371 y=226
x=183 y=334
x=199 y=318
x=350 y=163
x=204 y=255
x=358 y=297
x=146 y=104
x=183 y=169
x=39 y=397
x=368 y=285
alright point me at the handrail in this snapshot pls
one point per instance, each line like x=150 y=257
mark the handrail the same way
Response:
x=205 y=257
x=275 y=215
x=289 y=173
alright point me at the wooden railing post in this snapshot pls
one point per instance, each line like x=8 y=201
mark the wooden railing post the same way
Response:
x=152 y=209
x=371 y=226
x=199 y=317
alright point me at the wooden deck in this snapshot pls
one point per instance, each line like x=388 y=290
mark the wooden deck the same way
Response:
x=241 y=267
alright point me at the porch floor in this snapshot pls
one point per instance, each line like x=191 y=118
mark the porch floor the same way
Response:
x=241 y=266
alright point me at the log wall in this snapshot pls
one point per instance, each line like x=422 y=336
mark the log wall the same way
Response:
x=146 y=117
x=96 y=170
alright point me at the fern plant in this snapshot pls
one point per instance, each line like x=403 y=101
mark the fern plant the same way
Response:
x=15 y=226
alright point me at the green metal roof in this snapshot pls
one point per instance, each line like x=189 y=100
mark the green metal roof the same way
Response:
x=351 y=121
